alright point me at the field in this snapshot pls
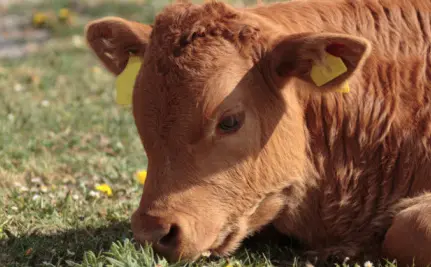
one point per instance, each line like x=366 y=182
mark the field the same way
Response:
x=61 y=135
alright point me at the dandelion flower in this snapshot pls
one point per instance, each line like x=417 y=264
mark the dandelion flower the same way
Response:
x=39 y=19
x=141 y=176
x=64 y=14
x=104 y=188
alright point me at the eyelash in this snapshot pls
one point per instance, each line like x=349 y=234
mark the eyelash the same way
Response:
x=231 y=123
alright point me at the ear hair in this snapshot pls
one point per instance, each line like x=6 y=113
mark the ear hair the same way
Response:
x=113 y=39
x=295 y=55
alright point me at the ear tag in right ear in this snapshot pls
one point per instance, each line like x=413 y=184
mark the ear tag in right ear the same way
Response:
x=126 y=81
x=332 y=68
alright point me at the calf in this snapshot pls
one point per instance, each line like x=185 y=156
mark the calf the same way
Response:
x=238 y=135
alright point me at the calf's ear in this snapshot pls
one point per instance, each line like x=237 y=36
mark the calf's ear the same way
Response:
x=113 y=39
x=324 y=60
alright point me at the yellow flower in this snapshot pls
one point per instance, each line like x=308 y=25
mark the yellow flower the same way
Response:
x=141 y=176
x=104 y=188
x=39 y=19
x=64 y=14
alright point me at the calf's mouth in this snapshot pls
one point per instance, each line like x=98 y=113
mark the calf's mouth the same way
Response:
x=227 y=242
x=262 y=214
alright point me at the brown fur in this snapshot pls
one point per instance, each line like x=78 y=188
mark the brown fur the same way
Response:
x=344 y=173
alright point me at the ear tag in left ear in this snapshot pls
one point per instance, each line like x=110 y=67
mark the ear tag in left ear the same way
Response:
x=126 y=81
x=332 y=68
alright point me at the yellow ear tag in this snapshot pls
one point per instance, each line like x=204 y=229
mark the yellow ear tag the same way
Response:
x=126 y=81
x=332 y=68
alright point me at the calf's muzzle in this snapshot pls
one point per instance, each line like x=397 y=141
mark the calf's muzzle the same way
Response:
x=164 y=235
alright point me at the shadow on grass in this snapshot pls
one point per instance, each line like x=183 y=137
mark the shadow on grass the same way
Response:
x=35 y=249
x=279 y=249
x=55 y=249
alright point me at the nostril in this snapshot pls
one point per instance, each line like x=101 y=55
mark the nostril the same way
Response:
x=171 y=237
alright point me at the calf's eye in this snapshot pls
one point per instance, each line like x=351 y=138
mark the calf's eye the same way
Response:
x=231 y=123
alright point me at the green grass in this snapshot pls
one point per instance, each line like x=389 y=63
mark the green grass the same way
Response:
x=61 y=134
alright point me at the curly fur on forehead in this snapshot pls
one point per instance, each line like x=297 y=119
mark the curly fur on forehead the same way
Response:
x=184 y=32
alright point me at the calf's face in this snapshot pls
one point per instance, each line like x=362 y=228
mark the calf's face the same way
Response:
x=226 y=147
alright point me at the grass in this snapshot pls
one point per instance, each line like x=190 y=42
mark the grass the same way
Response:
x=61 y=134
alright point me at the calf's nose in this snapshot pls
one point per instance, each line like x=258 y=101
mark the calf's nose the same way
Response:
x=163 y=235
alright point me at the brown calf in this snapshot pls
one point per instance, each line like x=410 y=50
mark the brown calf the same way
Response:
x=238 y=136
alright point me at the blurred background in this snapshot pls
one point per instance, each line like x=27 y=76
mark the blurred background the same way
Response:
x=58 y=117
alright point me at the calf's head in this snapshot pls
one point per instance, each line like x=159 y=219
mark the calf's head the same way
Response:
x=217 y=104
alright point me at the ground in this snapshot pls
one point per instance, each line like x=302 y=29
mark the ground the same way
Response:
x=61 y=135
